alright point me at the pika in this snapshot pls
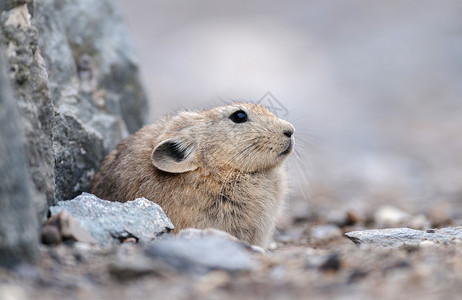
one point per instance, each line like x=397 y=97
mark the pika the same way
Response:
x=220 y=168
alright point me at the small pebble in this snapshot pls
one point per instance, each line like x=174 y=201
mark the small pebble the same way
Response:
x=50 y=235
x=257 y=249
x=332 y=263
x=69 y=228
x=427 y=243
x=325 y=232
x=272 y=246
x=390 y=216
x=130 y=240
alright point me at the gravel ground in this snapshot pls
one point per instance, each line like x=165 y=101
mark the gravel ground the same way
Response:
x=301 y=264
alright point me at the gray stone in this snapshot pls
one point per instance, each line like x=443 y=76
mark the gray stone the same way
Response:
x=390 y=216
x=93 y=78
x=324 y=233
x=29 y=76
x=18 y=219
x=398 y=237
x=131 y=262
x=199 y=253
x=134 y=266
x=106 y=220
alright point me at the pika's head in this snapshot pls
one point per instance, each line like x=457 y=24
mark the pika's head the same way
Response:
x=245 y=137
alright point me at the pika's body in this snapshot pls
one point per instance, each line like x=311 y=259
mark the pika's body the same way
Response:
x=221 y=168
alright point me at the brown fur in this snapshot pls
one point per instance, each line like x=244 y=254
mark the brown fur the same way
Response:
x=231 y=177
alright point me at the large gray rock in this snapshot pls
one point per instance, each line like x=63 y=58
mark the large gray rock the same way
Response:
x=202 y=253
x=93 y=78
x=75 y=75
x=107 y=220
x=18 y=219
x=398 y=237
x=75 y=81
x=29 y=76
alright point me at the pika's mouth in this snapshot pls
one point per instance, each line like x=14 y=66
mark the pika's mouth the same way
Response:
x=288 y=150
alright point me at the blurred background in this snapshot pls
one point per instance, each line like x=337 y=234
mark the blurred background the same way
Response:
x=373 y=88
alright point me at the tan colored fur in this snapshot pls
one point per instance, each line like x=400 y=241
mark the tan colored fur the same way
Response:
x=237 y=181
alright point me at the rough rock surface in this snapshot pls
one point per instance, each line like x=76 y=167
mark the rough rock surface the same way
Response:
x=18 y=219
x=397 y=237
x=107 y=221
x=94 y=85
x=29 y=76
x=76 y=79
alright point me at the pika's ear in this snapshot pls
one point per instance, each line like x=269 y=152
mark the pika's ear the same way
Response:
x=174 y=156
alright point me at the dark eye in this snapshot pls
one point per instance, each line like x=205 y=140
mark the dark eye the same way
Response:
x=239 y=117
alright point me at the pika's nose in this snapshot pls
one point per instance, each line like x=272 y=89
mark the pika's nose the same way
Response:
x=288 y=133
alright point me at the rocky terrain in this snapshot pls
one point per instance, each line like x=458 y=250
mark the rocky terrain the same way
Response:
x=70 y=92
x=311 y=258
x=382 y=225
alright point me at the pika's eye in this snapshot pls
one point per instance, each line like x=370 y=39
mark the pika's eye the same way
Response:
x=239 y=117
